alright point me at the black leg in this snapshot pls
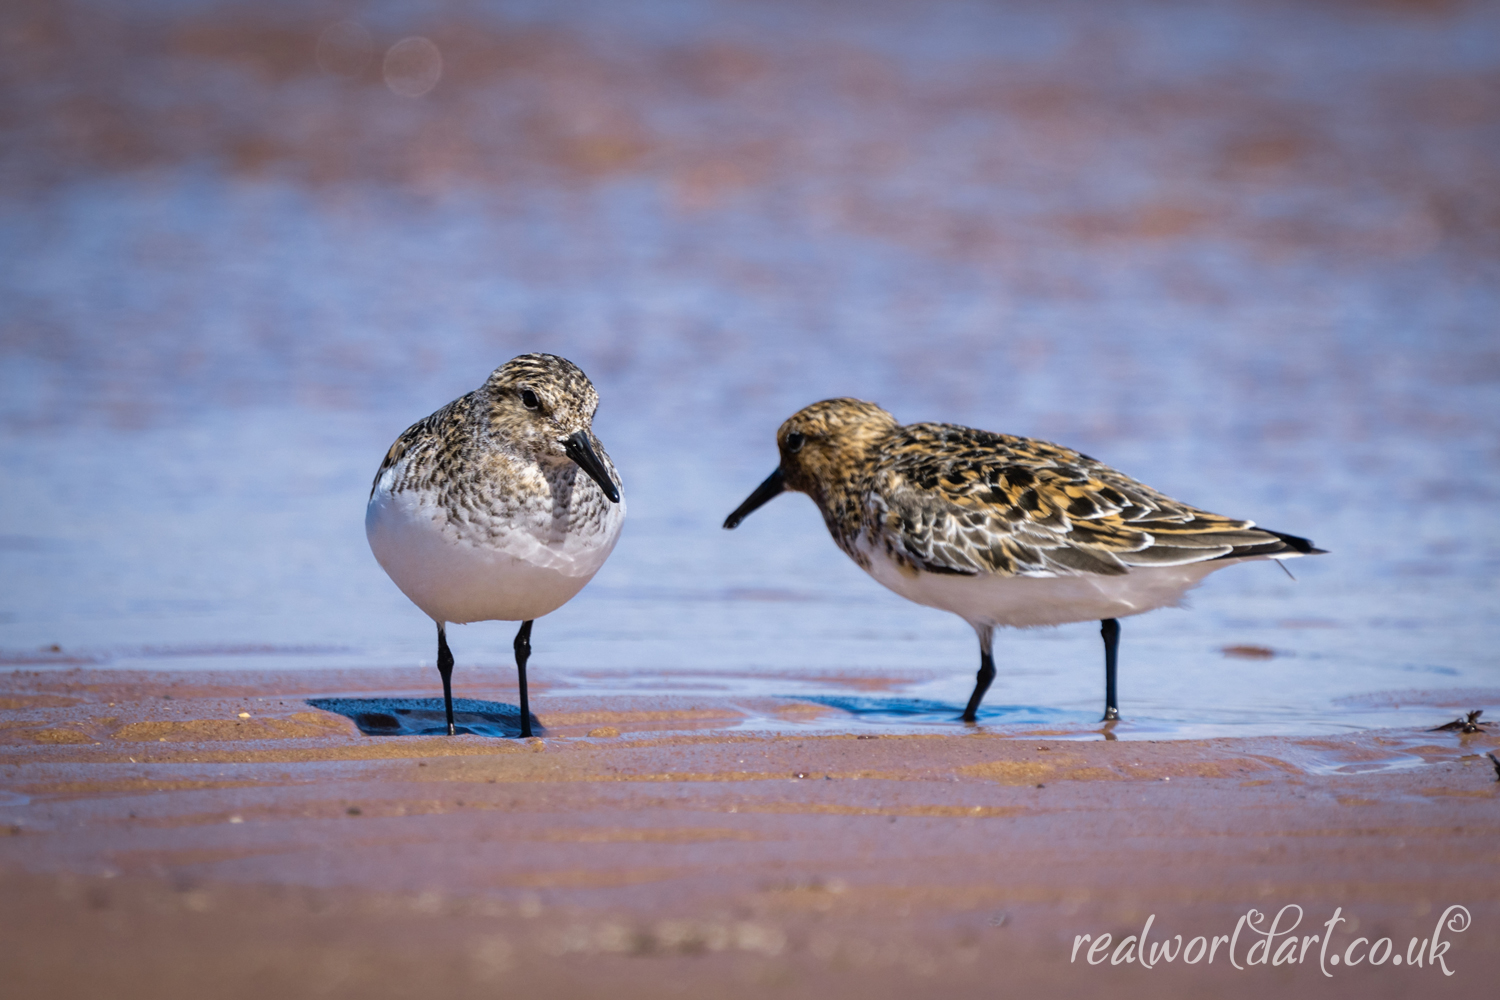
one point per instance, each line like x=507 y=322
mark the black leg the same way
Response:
x=445 y=668
x=523 y=653
x=1109 y=628
x=985 y=676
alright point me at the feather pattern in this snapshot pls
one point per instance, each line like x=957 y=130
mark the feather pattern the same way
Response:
x=953 y=499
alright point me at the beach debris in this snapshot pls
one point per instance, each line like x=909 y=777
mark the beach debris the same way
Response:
x=1469 y=725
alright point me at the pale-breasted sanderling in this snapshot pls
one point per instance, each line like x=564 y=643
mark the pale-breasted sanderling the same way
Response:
x=478 y=512
x=1002 y=530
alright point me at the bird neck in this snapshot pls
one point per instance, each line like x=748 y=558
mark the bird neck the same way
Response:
x=843 y=486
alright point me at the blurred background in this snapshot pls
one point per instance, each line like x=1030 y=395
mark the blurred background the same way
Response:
x=1244 y=251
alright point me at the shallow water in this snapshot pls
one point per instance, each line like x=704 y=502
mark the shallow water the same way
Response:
x=1247 y=254
x=425 y=716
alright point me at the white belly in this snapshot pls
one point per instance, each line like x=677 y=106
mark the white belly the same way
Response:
x=515 y=575
x=1028 y=601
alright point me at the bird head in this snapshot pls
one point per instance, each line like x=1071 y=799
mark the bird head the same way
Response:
x=546 y=405
x=821 y=445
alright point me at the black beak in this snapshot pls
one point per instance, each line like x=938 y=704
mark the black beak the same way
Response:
x=582 y=453
x=775 y=483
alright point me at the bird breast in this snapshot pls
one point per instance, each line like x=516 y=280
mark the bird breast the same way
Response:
x=1031 y=601
x=507 y=548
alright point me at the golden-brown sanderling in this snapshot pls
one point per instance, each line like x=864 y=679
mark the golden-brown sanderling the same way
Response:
x=478 y=512
x=1002 y=530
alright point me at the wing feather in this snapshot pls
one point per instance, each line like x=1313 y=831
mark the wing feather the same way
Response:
x=422 y=438
x=957 y=500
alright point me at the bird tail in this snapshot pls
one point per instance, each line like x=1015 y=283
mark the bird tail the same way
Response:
x=1279 y=544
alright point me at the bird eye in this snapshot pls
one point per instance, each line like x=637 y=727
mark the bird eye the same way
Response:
x=794 y=442
x=529 y=400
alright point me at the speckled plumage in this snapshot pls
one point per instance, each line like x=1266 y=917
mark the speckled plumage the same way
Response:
x=486 y=473
x=999 y=529
x=941 y=498
x=495 y=506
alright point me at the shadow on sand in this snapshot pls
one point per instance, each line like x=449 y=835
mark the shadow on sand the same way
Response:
x=427 y=717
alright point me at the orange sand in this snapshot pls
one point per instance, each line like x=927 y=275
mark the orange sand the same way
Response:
x=168 y=847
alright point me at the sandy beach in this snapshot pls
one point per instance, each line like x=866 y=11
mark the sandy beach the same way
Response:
x=162 y=844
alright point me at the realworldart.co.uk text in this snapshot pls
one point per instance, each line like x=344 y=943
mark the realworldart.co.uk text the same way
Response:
x=1255 y=941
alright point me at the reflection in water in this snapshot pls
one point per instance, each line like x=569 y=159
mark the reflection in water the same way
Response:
x=918 y=710
x=427 y=716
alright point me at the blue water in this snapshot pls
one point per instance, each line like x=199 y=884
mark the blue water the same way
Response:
x=1245 y=253
x=427 y=716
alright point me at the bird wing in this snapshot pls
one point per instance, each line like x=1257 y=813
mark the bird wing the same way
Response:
x=421 y=437
x=952 y=499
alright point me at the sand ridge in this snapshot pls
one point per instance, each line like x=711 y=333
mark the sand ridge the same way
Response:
x=690 y=849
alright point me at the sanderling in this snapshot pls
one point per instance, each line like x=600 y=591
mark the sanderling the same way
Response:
x=478 y=512
x=1002 y=530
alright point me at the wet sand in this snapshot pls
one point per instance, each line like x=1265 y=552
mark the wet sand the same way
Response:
x=159 y=843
